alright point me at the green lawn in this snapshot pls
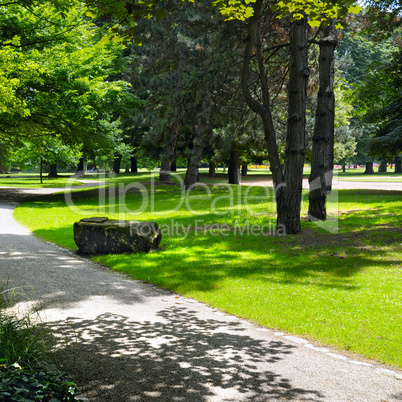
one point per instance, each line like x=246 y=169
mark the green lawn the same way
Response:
x=30 y=180
x=358 y=175
x=33 y=181
x=341 y=289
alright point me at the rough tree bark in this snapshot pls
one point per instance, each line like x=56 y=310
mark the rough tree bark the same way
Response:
x=41 y=171
x=211 y=171
x=234 y=167
x=133 y=164
x=398 y=165
x=290 y=194
x=288 y=184
x=383 y=167
x=169 y=154
x=170 y=146
x=369 y=168
x=192 y=175
x=80 y=166
x=52 y=171
x=320 y=179
x=264 y=108
x=117 y=163
x=330 y=163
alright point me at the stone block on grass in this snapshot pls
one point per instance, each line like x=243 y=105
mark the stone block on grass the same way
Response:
x=99 y=235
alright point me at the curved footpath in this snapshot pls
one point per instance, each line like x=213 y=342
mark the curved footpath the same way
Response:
x=123 y=340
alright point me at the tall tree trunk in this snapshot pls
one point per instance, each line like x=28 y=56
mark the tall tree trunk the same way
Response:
x=288 y=184
x=211 y=170
x=133 y=164
x=244 y=169
x=330 y=163
x=117 y=163
x=169 y=154
x=234 y=167
x=170 y=146
x=289 y=195
x=383 y=167
x=398 y=165
x=320 y=180
x=173 y=166
x=53 y=171
x=80 y=166
x=369 y=168
x=253 y=40
x=41 y=171
x=192 y=173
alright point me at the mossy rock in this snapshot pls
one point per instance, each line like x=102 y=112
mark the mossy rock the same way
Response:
x=99 y=235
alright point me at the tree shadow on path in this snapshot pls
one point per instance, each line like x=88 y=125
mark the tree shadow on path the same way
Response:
x=183 y=358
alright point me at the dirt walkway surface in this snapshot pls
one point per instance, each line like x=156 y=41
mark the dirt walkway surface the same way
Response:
x=124 y=340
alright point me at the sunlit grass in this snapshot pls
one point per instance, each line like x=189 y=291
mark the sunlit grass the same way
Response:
x=30 y=180
x=341 y=288
x=33 y=181
x=358 y=175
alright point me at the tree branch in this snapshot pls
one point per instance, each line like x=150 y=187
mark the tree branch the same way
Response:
x=245 y=74
x=37 y=42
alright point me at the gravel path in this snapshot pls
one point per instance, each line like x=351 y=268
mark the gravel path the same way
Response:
x=124 y=340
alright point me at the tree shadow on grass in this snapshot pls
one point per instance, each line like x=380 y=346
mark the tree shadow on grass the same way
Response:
x=201 y=262
x=183 y=357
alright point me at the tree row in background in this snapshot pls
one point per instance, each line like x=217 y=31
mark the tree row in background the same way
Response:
x=203 y=89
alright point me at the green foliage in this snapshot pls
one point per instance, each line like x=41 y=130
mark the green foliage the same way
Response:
x=47 y=150
x=187 y=72
x=379 y=102
x=318 y=12
x=355 y=52
x=235 y=9
x=20 y=342
x=24 y=372
x=126 y=15
x=55 y=75
x=383 y=18
x=18 y=384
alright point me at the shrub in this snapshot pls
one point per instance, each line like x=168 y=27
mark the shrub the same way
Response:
x=19 y=384
x=25 y=372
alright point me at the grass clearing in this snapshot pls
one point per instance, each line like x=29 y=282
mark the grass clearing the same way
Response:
x=341 y=289
x=33 y=181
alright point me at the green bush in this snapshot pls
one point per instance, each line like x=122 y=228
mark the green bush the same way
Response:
x=20 y=341
x=25 y=374
x=19 y=384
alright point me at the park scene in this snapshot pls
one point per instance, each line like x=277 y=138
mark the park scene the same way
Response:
x=200 y=201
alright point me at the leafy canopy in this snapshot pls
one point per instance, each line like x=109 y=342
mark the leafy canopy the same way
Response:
x=121 y=16
x=54 y=75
